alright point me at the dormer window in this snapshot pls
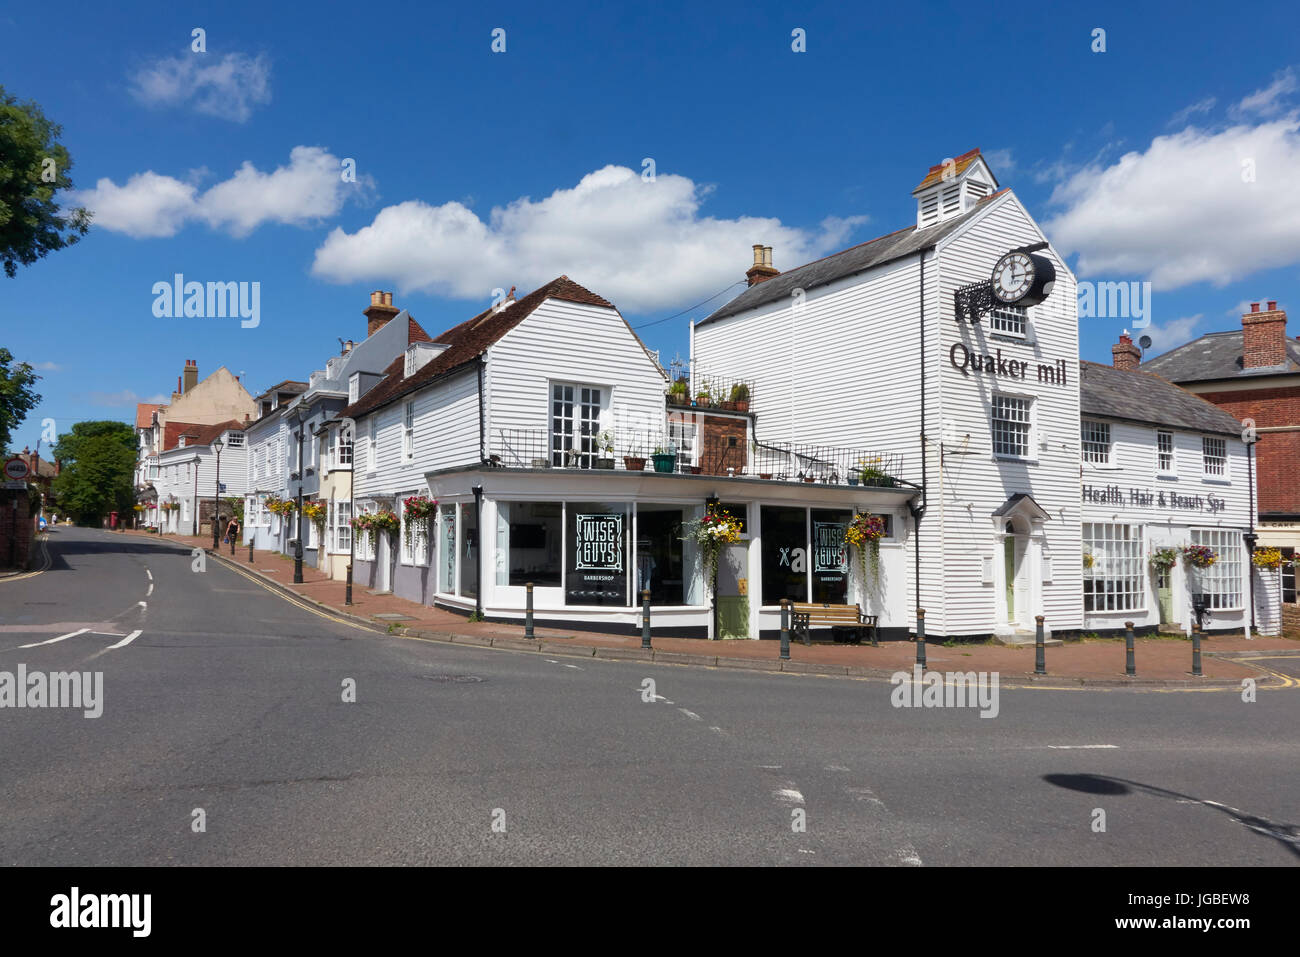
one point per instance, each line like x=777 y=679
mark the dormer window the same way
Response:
x=953 y=188
x=354 y=387
x=410 y=367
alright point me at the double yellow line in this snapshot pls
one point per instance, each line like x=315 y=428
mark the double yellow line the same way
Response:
x=45 y=555
x=294 y=600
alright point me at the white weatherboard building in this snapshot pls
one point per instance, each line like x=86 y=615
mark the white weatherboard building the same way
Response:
x=902 y=344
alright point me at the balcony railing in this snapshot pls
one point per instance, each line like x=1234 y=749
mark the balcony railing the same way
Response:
x=791 y=462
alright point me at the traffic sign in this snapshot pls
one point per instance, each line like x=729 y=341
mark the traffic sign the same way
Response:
x=15 y=469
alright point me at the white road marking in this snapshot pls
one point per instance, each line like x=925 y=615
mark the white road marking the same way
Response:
x=71 y=634
x=110 y=634
x=690 y=714
x=574 y=667
x=1083 y=747
x=125 y=641
x=836 y=767
x=804 y=850
x=150 y=591
x=770 y=767
x=143 y=604
x=788 y=794
x=149 y=573
x=552 y=661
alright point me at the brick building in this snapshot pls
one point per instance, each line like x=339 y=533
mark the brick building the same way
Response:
x=1254 y=375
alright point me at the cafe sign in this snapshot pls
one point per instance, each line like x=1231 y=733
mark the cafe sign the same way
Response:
x=598 y=543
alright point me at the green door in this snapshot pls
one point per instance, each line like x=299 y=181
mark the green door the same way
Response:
x=1009 y=560
x=1164 y=597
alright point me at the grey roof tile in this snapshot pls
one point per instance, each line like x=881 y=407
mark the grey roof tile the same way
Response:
x=1142 y=396
x=1214 y=356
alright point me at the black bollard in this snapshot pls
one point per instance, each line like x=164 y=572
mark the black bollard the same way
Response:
x=645 y=618
x=528 y=611
x=920 y=638
x=785 y=629
x=250 y=552
x=1196 y=651
x=347 y=597
x=1040 y=650
x=1130 y=663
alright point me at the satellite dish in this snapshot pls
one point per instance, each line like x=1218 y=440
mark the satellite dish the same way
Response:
x=1145 y=342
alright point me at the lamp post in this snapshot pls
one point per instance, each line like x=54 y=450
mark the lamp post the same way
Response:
x=347 y=428
x=299 y=419
x=1250 y=437
x=216 y=492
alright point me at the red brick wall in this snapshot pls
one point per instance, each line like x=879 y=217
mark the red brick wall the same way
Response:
x=724 y=443
x=1277 y=455
x=17 y=532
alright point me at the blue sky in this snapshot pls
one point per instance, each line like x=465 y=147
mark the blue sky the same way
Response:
x=478 y=170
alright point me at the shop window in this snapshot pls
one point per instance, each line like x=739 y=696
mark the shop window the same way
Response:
x=597 y=555
x=447 y=554
x=829 y=556
x=1288 y=576
x=785 y=554
x=1222 y=580
x=530 y=536
x=1112 y=568
x=468 y=551
x=665 y=564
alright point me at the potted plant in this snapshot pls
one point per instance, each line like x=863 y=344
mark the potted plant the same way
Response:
x=703 y=398
x=740 y=397
x=418 y=508
x=677 y=392
x=870 y=472
x=634 y=463
x=1163 y=559
x=383 y=521
x=665 y=459
x=765 y=475
x=696 y=469
x=605 y=446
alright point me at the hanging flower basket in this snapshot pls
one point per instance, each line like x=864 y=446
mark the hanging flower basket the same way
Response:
x=1089 y=560
x=1267 y=558
x=864 y=533
x=279 y=506
x=315 y=512
x=1163 y=559
x=716 y=528
x=384 y=521
x=418 y=508
x=1199 y=556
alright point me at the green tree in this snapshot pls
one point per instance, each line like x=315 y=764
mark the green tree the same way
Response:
x=17 y=397
x=33 y=167
x=98 y=468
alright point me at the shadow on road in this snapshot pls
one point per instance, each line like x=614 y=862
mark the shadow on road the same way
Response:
x=1288 y=835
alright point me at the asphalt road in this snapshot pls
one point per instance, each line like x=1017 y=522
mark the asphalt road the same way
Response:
x=229 y=700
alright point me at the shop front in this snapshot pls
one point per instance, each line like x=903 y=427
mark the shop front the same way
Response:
x=591 y=542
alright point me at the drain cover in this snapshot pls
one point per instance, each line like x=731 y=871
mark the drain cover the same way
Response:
x=453 y=679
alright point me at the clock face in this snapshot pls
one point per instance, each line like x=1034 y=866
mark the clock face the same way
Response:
x=1013 y=277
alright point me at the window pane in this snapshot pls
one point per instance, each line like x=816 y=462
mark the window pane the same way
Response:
x=785 y=554
x=529 y=539
x=596 y=568
x=468 y=551
x=664 y=563
x=447 y=566
x=830 y=561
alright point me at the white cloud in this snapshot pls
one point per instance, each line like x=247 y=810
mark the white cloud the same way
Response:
x=1175 y=332
x=124 y=397
x=1186 y=113
x=1186 y=210
x=1002 y=162
x=46 y=366
x=228 y=86
x=1268 y=101
x=643 y=245
x=309 y=189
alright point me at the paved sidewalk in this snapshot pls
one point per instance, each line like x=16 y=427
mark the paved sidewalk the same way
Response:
x=1160 y=661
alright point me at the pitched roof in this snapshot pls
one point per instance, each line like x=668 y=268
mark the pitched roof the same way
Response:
x=292 y=386
x=1142 y=396
x=1216 y=355
x=197 y=435
x=144 y=414
x=466 y=342
x=961 y=164
x=876 y=252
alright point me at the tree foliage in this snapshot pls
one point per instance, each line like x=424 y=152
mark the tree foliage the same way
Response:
x=17 y=397
x=98 y=469
x=33 y=167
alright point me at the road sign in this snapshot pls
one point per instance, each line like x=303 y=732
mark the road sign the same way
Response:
x=221 y=486
x=15 y=485
x=15 y=469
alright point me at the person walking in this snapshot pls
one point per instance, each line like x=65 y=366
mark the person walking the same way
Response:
x=232 y=530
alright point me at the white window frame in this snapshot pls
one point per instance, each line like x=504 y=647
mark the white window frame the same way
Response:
x=372 y=446
x=1161 y=453
x=1118 y=552
x=583 y=429
x=1028 y=423
x=1223 y=578
x=341 y=451
x=1208 y=467
x=354 y=388
x=1009 y=321
x=1095 y=442
x=235 y=440
x=341 y=525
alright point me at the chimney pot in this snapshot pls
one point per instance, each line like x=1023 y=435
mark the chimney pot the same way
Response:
x=388 y=299
x=376 y=298
x=758 y=254
x=380 y=311
x=767 y=255
x=1254 y=307
x=1124 y=354
x=1272 y=305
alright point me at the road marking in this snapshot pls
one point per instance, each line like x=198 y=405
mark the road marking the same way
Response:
x=110 y=634
x=690 y=714
x=770 y=767
x=150 y=591
x=574 y=667
x=788 y=794
x=46 y=562
x=71 y=634
x=143 y=604
x=126 y=641
x=836 y=767
x=1082 y=747
x=149 y=573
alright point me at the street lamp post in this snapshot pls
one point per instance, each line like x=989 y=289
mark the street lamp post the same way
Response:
x=216 y=492
x=299 y=419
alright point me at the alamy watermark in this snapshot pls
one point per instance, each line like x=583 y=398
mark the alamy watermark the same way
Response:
x=954 y=689
x=1116 y=300
x=215 y=300
x=58 y=689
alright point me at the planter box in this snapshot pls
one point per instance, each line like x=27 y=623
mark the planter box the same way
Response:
x=604 y=463
x=665 y=462
x=633 y=464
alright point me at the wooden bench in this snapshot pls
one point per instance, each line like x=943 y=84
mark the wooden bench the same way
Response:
x=805 y=616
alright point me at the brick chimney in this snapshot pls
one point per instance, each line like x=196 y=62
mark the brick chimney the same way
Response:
x=1125 y=355
x=1263 y=336
x=762 y=270
x=380 y=311
x=191 y=376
